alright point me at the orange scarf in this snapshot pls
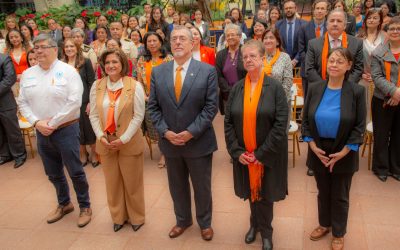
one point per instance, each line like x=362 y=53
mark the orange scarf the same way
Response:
x=149 y=67
x=268 y=66
x=325 y=51
x=388 y=67
x=112 y=96
x=250 y=104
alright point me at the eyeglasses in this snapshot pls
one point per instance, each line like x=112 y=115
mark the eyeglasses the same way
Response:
x=394 y=29
x=43 y=47
x=251 y=57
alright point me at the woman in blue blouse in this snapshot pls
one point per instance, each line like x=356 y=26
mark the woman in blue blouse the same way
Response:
x=333 y=125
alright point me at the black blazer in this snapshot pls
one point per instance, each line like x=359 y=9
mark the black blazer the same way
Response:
x=353 y=113
x=307 y=32
x=351 y=25
x=314 y=53
x=195 y=111
x=88 y=77
x=224 y=88
x=272 y=147
x=7 y=80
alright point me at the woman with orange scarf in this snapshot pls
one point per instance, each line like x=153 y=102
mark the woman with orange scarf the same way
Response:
x=154 y=55
x=255 y=133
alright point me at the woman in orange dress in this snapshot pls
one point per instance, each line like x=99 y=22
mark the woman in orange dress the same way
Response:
x=200 y=52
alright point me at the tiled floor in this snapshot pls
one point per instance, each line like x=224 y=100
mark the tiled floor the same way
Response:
x=26 y=197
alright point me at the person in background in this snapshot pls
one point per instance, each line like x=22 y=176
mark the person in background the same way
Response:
x=136 y=38
x=185 y=18
x=102 y=20
x=202 y=26
x=357 y=7
x=133 y=24
x=372 y=37
x=2 y=43
x=12 y=145
x=51 y=103
x=82 y=24
x=124 y=21
x=143 y=19
x=261 y=16
x=222 y=43
x=351 y=20
x=16 y=48
x=385 y=14
x=170 y=14
x=32 y=23
x=154 y=55
x=264 y=5
x=27 y=32
x=99 y=45
x=274 y=15
x=11 y=24
x=289 y=28
x=239 y=20
x=31 y=58
x=229 y=64
x=74 y=57
x=175 y=21
x=258 y=29
x=158 y=22
x=368 y=4
x=54 y=32
x=116 y=113
x=316 y=28
x=255 y=134
x=79 y=37
x=385 y=105
x=333 y=126
x=166 y=43
x=128 y=47
x=201 y=52
x=66 y=33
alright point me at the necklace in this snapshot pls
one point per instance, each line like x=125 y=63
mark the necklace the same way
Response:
x=233 y=60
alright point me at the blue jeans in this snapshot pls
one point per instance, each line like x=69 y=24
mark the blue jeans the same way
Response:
x=59 y=149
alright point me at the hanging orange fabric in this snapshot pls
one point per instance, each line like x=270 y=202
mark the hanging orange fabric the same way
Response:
x=268 y=66
x=112 y=96
x=388 y=67
x=250 y=104
x=149 y=67
x=325 y=51
x=147 y=27
x=318 y=32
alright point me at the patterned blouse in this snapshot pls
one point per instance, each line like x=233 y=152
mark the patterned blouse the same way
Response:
x=283 y=72
x=141 y=71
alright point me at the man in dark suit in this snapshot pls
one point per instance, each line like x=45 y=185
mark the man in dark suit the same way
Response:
x=289 y=28
x=12 y=144
x=183 y=102
x=336 y=24
x=55 y=33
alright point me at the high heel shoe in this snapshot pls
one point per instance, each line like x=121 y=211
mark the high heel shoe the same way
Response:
x=117 y=227
x=137 y=227
x=87 y=160
x=95 y=163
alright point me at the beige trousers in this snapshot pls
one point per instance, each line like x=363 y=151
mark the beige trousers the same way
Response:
x=124 y=183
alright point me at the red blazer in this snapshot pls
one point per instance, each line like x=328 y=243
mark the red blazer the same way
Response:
x=207 y=55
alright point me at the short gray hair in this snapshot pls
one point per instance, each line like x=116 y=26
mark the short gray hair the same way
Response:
x=182 y=27
x=338 y=11
x=79 y=31
x=45 y=37
x=232 y=26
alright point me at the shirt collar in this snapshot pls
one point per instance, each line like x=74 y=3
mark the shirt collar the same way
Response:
x=185 y=66
x=51 y=66
x=331 y=38
x=293 y=20
x=320 y=25
x=114 y=86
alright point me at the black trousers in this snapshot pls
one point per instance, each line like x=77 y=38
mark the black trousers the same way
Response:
x=199 y=169
x=304 y=83
x=386 y=157
x=333 y=200
x=12 y=143
x=262 y=213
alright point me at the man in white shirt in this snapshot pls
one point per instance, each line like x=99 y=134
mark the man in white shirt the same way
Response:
x=128 y=47
x=50 y=99
x=147 y=10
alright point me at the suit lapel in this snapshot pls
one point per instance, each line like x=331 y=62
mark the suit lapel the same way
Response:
x=169 y=74
x=125 y=93
x=319 y=92
x=263 y=91
x=345 y=110
x=191 y=74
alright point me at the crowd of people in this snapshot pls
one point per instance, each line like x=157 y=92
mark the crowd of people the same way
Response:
x=92 y=95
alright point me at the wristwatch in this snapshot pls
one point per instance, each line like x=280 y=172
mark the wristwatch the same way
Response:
x=34 y=124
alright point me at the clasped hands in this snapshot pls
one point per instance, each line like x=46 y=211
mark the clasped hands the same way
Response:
x=394 y=99
x=43 y=127
x=246 y=158
x=114 y=145
x=179 y=139
x=330 y=160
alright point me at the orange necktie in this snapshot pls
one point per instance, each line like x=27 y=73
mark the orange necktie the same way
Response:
x=113 y=96
x=178 y=83
x=318 y=32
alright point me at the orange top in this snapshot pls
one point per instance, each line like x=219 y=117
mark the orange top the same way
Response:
x=207 y=55
x=22 y=65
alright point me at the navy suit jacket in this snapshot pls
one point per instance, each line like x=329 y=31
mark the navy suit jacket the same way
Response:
x=307 y=32
x=195 y=111
x=282 y=29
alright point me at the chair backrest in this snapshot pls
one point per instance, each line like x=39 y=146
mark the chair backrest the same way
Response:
x=297 y=81
x=213 y=41
x=294 y=108
x=371 y=88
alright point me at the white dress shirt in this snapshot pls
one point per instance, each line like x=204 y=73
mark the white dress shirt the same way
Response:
x=54 y=94
x=331 y=41
x=184 y=70
x=138 y=110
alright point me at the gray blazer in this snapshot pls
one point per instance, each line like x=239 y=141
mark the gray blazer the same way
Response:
x=382 y=86
x=314 y=53
x=58 y=36
x=7 y=80
x=194 y=112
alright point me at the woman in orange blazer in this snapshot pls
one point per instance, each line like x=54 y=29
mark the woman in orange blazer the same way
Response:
x=200 y=52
